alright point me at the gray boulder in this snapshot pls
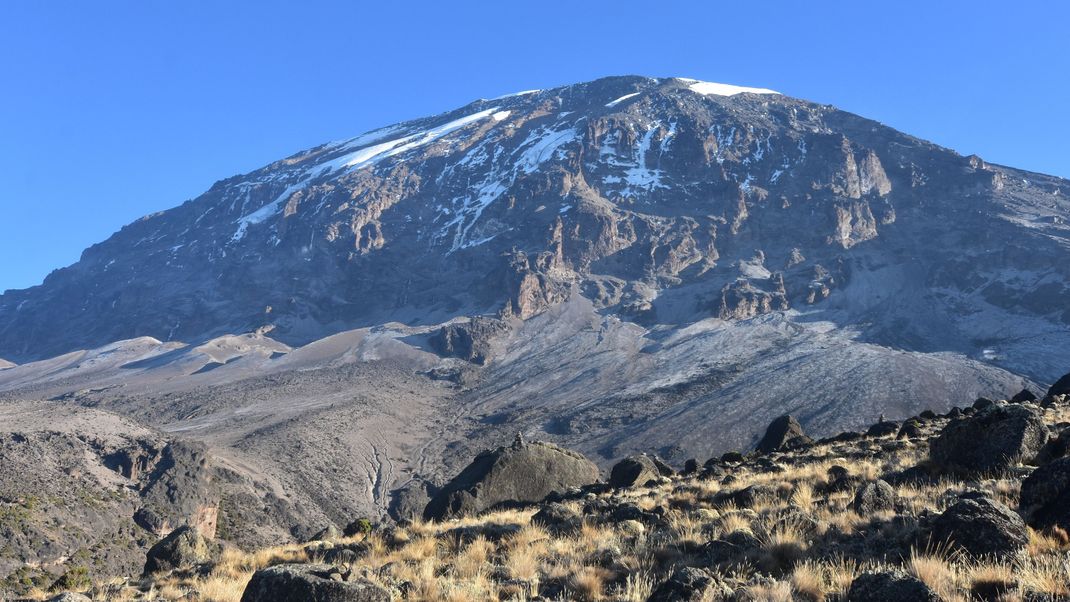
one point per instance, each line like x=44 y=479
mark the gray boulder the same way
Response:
x=874 y=497
x=890 y=586
x=310 y=583
x=327 y=533
x=981 y=527
x=992 y=439
x=182 y=548
x=782 y=434
x=523 y=472
x=633 y=471
x=1045 y=497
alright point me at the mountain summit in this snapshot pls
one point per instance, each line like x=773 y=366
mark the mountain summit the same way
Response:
x=663 y=201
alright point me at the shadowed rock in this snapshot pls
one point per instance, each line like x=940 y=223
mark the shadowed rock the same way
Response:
x=783 y=433
x=691 y=585
x=981 y=527
x=310 y=583
x=523 y=472
x=890 y=586
x=1061 y=386
x=1045 y=498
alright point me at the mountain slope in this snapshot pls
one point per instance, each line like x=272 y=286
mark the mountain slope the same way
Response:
x=661 y=199
x=629 y=264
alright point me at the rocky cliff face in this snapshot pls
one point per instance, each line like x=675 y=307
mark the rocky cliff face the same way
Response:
x=623 y=189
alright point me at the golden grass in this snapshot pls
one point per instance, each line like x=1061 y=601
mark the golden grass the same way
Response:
x=624 y=562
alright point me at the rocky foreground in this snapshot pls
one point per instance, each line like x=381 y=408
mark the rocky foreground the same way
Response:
x=971 y=504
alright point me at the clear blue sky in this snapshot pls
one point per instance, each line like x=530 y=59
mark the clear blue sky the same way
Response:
x=112 y=110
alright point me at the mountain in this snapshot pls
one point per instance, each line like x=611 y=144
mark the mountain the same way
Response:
x=629 y=264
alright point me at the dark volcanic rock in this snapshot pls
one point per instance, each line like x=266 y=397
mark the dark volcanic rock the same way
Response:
x=783 y=433
x=1045 y=497
x=890 y=586
x=408 y=502
x=981 y=527
x=1061 y=386
x=883 y=429
x=633 y=470
x=523 y=472
x=691 y=585
x=310 y=583
x=182 y=548
x=994 y=438
x=873 y=497
x=558 y=519
x=470 y=341
x=1023 y=396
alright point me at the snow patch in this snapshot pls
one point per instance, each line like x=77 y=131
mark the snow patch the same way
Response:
x=616 y=102
x=358 y=159
x=715 y=89
x=521 y=93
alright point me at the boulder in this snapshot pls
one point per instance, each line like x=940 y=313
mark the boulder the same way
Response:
x=327 y=533
x=182 y=548
x=992 y=439
x=782 y=434
x=1045 y=497
x=981 y=527
x=883 y=428
x=890 y=586
x=691 y=584
x=911 y=429
x=1056 y=447
x=732 y=457
x=873 y=497
x=1061 y=386
x=633 y=471
x=1023 y=396
x=558 y=519
x=408 y=502
x=522 y=473
x=310 y=583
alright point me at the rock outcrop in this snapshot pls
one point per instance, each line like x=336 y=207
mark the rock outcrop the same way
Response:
x=690 y=585
x=783 y=433
x=873 y=497
x=994 y=438
x=890 y=586
x=522 y=472
x=1045 y=498
x=470 y=340
x=310 y=583
x=981 y=527
x=1060 y=387
x=634 y=470
x=183 y=548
